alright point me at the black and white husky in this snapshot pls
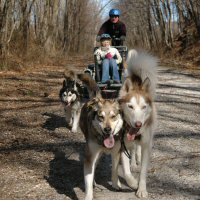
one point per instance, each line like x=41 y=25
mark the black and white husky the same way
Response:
x=72 y=100
x=136 y=98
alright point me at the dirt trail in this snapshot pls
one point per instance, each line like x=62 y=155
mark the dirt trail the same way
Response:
x=41 y=159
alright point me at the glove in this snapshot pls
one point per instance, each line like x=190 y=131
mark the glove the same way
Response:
x=108 y=56
x=123 y=37
x=98 y=38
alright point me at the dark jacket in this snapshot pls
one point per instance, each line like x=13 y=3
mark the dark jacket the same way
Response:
x=115 y=30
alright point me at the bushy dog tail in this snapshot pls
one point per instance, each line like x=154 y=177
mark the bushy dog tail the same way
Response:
x=143 y=65
x=91 y=85
x=70 y=79
x=70 y=75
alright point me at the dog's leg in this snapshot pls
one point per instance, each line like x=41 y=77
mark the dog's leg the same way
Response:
x=68 y=116
x=75 y=121
x=131 y=181
x=138 y=154
x=115 y=163
x=71 y=121
x=146 y=149
x=135 y=157
x=89 y=169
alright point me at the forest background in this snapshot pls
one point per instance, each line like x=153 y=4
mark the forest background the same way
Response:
x=39 y=31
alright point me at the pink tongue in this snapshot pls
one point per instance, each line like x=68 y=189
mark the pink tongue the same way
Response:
x=67 y=104
x=132 y=133
x=109 y=142
x=130 y=137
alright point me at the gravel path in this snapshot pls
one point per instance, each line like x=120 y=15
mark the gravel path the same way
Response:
x=41 y=159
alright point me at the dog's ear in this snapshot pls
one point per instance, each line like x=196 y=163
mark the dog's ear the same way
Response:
x=115 y=102
x=64 y=83
x=146 y=85
x=95 y=103
x=100 y=101
x=126 y=87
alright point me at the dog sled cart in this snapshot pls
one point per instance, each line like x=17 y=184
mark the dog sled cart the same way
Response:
x=110 y=90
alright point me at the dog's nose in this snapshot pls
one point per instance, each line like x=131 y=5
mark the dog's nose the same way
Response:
x=138 y=124
x=107 y=129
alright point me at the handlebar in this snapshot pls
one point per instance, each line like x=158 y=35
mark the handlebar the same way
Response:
x=117 y=39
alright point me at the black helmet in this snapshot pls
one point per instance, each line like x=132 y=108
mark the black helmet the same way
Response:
x=105 y=36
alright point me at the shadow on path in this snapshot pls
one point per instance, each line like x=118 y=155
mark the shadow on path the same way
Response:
x=65 y=175
x=54 y=121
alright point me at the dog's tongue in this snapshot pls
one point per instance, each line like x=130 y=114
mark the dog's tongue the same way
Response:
x=109 y=142
x=130 y=137
x=132 y=133
x=67 y=104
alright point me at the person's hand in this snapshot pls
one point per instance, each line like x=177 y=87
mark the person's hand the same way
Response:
x=122 y=38
x=98 y=38
x=108 y=56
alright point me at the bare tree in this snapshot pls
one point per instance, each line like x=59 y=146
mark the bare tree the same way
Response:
x=70 y=26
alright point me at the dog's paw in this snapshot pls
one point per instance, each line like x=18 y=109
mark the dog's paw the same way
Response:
x=142 y=193
x=74 y=130
x=88 y=197
x=117 y=185
x=131 y=181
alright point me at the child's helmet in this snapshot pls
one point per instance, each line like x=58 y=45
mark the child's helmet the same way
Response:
x=105 y=36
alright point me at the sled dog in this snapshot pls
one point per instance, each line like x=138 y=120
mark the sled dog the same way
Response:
x=136 y=99
x=71 y=98
x=101 y=124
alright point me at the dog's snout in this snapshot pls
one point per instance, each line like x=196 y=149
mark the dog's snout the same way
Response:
x=107 y=129
x=138 y=124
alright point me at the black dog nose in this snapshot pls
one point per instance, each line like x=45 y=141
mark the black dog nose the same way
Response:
x=107 y=129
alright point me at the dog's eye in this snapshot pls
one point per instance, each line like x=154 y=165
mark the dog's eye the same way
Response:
x=144 y=107
x=113 y=116
x=131 y=107
x=100 y=117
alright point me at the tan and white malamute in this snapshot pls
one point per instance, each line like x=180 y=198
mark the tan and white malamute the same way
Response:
x=137 y=103
x=101 y=124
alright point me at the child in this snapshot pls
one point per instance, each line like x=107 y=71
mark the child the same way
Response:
x=105 y=55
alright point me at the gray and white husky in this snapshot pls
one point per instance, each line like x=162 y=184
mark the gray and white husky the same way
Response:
x=136 y=98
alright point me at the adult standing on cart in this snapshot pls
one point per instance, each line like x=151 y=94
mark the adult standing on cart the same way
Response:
x=114 y=27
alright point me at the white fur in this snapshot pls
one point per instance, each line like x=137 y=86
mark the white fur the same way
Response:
x=144 y=65
x=72 y=111
x=89 y=169
x=72 y=115
x=137 y=109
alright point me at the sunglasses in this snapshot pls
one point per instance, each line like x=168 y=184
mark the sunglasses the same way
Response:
x=114 y=16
